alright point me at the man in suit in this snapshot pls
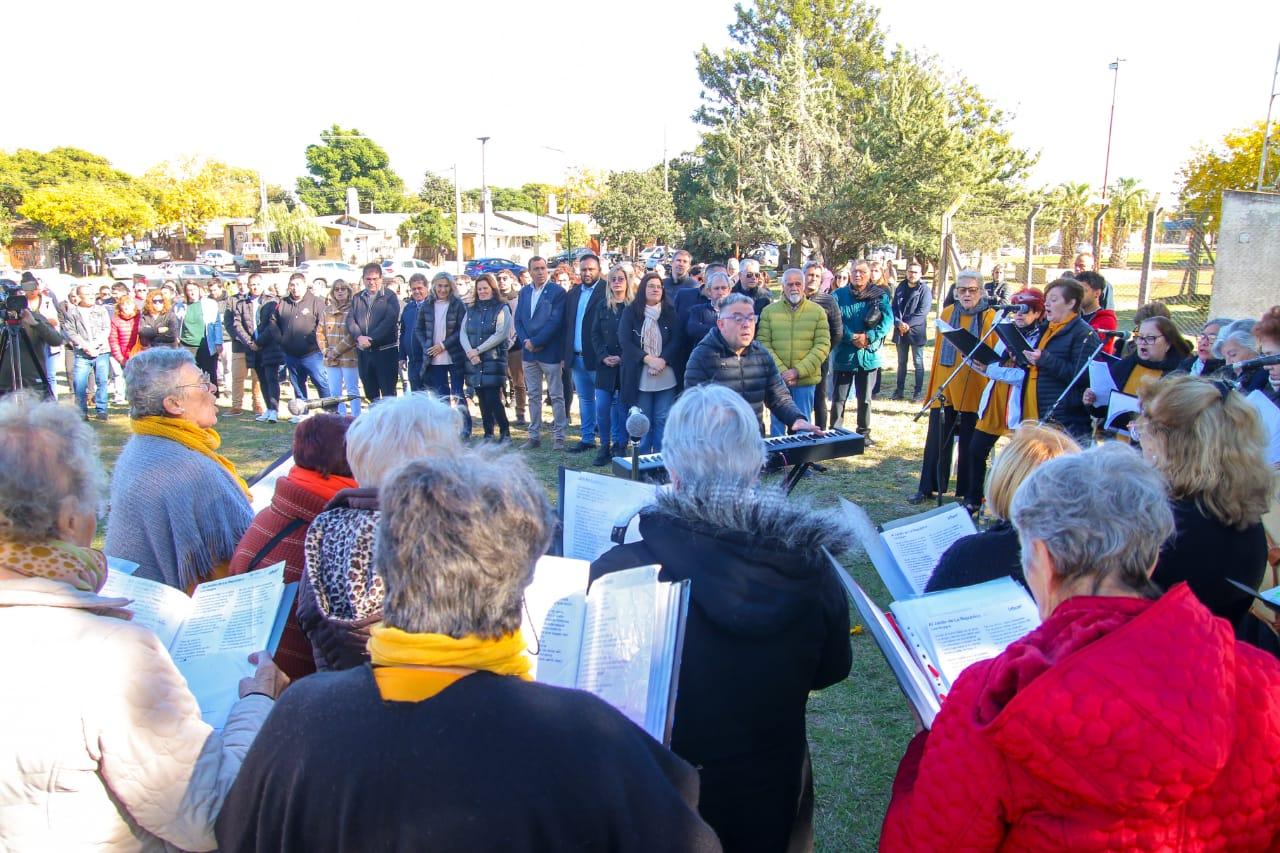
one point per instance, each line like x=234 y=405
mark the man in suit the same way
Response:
x=580 y=306
x=540 y=334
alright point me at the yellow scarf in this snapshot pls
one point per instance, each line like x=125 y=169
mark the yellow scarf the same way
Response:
x=203 y=441
x=412 y=667
x=1031 y=406
x=82 y=568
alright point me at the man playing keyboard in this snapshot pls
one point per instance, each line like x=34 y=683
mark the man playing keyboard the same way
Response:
x=729 y=355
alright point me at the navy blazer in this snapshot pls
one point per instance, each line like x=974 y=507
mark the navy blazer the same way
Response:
x=410 y=350
x=545 y=329
x=911 y=306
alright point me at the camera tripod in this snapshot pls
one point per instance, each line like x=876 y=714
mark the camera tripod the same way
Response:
x=11 y=359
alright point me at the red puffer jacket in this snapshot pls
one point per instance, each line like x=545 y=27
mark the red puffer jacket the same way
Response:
x=123 y=337
x=1118 y=724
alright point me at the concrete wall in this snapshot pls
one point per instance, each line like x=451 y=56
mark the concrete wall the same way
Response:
x=1246 y=277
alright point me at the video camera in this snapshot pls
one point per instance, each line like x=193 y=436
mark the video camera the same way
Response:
x=14 y=301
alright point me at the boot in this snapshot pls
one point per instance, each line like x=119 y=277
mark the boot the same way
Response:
x=864 y=422
x=603 y=455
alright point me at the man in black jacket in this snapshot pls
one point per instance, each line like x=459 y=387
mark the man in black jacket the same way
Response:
x=580 y=305
x=243 y=325
x=374 y=322
x=678 y=279
x=751 y=283
x=911 y=303
x=301 y=312
x=730 y=356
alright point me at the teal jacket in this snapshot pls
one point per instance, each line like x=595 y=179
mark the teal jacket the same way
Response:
x=853 y=312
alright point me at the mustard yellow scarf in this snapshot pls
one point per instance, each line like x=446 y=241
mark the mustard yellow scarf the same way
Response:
x=83 y=568
x=1031 y=406
x=412 y=667
x=203 y=441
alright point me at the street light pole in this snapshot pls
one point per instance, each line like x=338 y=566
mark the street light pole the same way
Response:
x=457 y=222
x=484 y=194
x=1106 y=169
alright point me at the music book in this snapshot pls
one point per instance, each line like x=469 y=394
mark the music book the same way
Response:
x=1121 y=410
x=1270 y=597
x=965 y=341
x=591 y=505
x=263 y=487
x=211 y=633
x=905 y=551
x=940 y=634
x=1015 y=343
x=621 y=640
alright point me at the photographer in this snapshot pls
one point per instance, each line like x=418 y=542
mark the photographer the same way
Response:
x=28 y=335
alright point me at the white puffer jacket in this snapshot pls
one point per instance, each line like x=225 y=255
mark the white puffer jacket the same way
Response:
x=101 y=743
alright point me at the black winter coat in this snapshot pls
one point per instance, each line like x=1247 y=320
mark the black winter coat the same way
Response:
x=700 y=320
x=1211 y=366
x=980 y=557
x=481 y=321
x=604 y=342
x=911 y=306
x=376 y=316
x=1060 y=360
x=633 y=352
x=767 y=623
x=243 y=326
x=760 y=296
x=753 y=374
x=298 y=322
x=835 y=320
x=159 y=330
x=452 y=327
x=594 y=301
x=269 y=336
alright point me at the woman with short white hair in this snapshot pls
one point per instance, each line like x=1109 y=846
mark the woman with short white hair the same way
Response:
x=1128 y=720
x=768 y=622
x=102 y=746
x=340 y=594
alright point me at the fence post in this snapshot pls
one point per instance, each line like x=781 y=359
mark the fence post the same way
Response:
x=1148 y=241
x=1029 y=245
x=1097 y=235
x=939 y=280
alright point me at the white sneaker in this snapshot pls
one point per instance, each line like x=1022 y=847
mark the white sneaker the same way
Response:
x=272 y=418
x=263 y=418
x=296 y=419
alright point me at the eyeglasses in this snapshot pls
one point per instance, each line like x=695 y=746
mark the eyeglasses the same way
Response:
x=967 y=289
x=1147 y=339
x=741 y=319
x=157 y=301
x=206 y=384
x=1205 y=333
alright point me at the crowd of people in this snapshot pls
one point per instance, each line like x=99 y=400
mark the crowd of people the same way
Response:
x=398 y=709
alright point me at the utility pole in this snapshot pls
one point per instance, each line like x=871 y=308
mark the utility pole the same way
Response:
x=1106 y=169
x=484 y=194
x=666 y=185
x=1266 y=128
x=457 y=221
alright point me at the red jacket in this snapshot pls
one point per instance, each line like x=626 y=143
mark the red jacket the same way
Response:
x=1104 y=319
x=1118 y=724
x=123 y=337
x=290 y=501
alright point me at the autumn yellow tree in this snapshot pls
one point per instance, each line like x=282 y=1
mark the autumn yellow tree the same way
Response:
x=1232 y=164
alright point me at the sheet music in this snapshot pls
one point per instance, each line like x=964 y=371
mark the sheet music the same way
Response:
x=895 y=580
x=156 y=606
x=233 y=614
x=555 y=605
x=918 y=543
x=1270 y=422
x=262 y=491
x=618 y=640
x=1101 y=382
x=1120 y=405
x=592 y=503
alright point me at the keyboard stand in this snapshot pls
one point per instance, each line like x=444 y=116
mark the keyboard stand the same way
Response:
x=796 y=474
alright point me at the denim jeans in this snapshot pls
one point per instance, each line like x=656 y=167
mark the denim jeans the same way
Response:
x=304 y=368
x=444 y=380
x=656 y=405
x=51 y=370
x=344 y=381
x=101 y=367
x=610 y=418
x=584 y=382
x=917 y=362
x=802 y=396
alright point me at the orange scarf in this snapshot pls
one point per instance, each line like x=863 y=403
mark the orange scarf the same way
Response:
x=1030 y=405
x=318 y=484
x=413 y=667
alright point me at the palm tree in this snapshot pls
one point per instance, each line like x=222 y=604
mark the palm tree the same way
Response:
x=1072 y=201
x=1129 y=202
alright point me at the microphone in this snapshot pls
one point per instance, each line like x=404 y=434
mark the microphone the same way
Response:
x=1111 y=333
x=301 y=407
x=1020 y=308
x=637 y=424
x=1261 y=361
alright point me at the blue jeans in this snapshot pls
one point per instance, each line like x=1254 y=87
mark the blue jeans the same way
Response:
x=101 y=367
x=802 y=396
x=610 y=418
x=345 y=381
x=444 y=380
x=584 y=382
x=304 y=368
x=656 y=405
x=51 y=360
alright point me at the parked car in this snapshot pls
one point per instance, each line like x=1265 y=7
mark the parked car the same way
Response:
x=609 y=260
x=648 y=251
x=217 y=258
x=570 y=257
x=179 y=273
x=324 y=272
x=766 y=254
x=403 y=270
x=480 y=266
x=660 y=256
x=121 y=267
x=154 y=255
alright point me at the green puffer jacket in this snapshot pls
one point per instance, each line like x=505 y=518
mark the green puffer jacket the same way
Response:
x=853 y=310
x=796 y=337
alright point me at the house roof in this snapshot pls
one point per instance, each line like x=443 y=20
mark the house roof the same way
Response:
x=216 y=227
x=499 y=226
x=388 y=222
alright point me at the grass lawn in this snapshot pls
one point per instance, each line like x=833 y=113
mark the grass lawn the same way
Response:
x=859 y=728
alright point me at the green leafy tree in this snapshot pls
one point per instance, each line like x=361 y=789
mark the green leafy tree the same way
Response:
x=430 y=230
x=573 y=235
x=290 y=229
x=277 y=194
x=1073 y=203
x=1230 y=165
x=635 y=208
x=437 y=192
x=84 y=214
x=346 y=158
x=1129 y=202
x=187 y=195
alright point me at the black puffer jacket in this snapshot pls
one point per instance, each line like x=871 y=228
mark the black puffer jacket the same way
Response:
x=452 y=327
x=481 y=322
x=753 y=374
x=604 y=342
x=1060 y=360
x=767 y=623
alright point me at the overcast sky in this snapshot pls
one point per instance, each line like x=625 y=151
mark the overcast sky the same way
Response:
x=253 y=83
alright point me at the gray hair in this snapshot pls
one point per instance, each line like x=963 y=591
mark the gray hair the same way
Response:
x=447 y=276
x=1220 y=322
x=731 y=300
x=732 y=265
x=970 y=274
x=150 y=377
x=400 y=428
x=792 y=271
x=457 y=542
x=713 y=439
x=47 y=454
x=1238 y=331
x=811 y=264
x=716 y=276
x=1101 y=513
x=749 y=265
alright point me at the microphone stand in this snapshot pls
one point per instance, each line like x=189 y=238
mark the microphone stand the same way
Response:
x=635 y=457
x=938 y=398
